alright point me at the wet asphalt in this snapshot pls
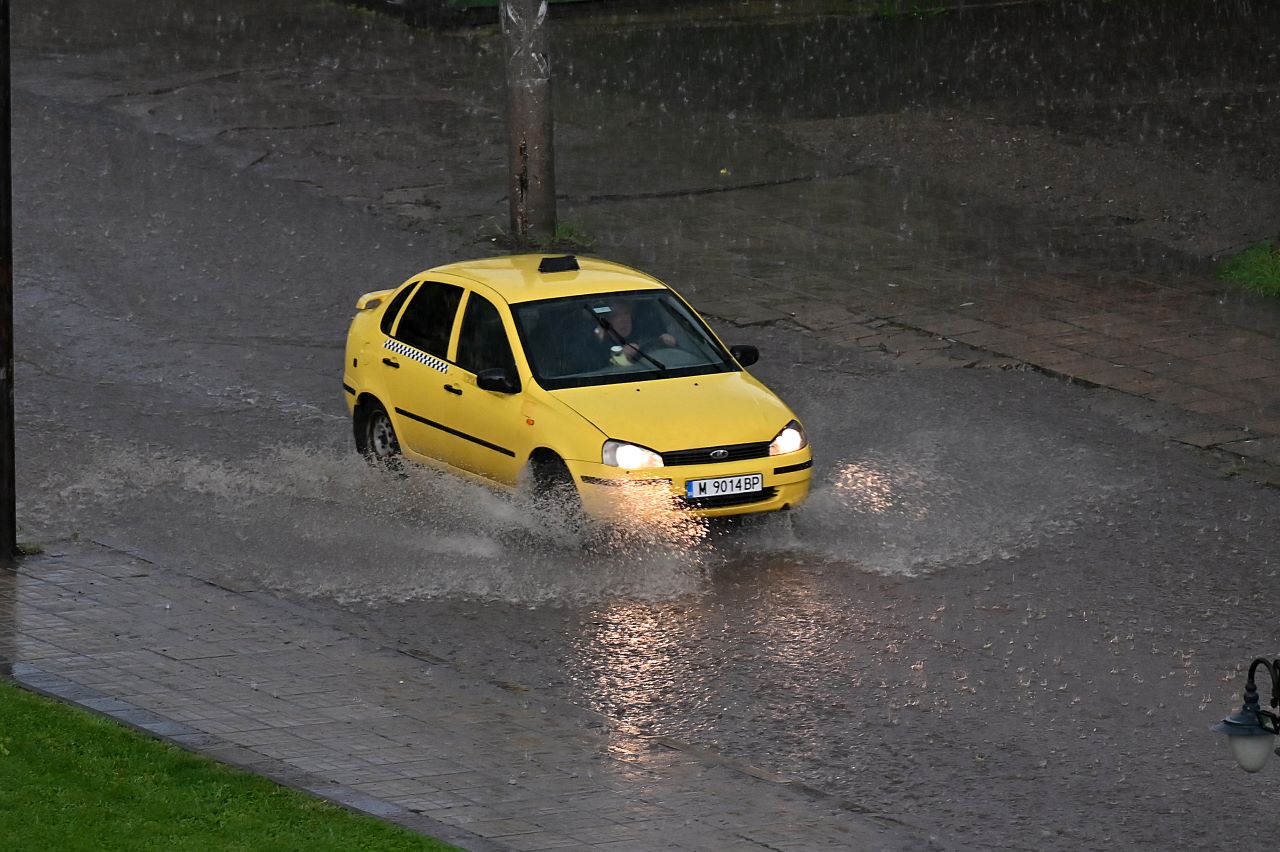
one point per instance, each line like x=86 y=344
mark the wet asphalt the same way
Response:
x=1007 y=615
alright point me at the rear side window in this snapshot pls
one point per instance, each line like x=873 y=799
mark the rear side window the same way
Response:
x=397 y=302
x=482 y=340
x=428 y=319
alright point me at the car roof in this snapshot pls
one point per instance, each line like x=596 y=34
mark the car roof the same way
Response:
x=517 y=278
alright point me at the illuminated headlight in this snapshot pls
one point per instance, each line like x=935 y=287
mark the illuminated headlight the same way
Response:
x=629 y=456
x=790 y=439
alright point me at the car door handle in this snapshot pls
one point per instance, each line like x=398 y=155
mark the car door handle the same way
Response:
x=391 y=363
x=453 y=389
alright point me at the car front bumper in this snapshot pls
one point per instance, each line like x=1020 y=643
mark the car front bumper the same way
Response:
x=610 y=492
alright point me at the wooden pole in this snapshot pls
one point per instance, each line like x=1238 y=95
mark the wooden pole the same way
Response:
x=531 y=184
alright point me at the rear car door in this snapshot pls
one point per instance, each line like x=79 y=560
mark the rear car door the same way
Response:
x=423 y=387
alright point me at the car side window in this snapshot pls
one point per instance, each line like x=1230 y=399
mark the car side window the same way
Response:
x=482 y=341
x=393 y=309
x=428 y=320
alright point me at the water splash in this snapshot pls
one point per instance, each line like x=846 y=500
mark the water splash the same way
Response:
x=323 y=522
x=913 y=510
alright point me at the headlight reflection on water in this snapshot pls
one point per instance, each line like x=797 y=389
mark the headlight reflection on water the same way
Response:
x=636 y=654
x=890 y=515
x=680 y=667
x=649 y=513
x=866 y=487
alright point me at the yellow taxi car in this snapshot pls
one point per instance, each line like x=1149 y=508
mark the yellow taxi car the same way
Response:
x=574 y=375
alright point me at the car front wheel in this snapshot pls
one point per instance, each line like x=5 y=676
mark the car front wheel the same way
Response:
x=553 y=482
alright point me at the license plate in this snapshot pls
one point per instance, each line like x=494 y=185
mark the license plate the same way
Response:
x=724 y=485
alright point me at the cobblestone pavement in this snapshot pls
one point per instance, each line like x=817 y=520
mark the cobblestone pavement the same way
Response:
x=320 y=98
x=243 y=679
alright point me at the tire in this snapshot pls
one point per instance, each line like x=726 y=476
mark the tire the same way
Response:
x=376 y=436
x=555 y=494
x=553 y=483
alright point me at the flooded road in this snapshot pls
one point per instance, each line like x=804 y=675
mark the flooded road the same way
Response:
x=1006 y=612
x=998 y=607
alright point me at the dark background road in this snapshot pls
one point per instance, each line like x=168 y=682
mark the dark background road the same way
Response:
x=1007 y=606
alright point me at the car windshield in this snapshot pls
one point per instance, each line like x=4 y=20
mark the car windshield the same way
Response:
x=616 y=337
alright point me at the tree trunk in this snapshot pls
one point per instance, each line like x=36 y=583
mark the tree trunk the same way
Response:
x=531 y=184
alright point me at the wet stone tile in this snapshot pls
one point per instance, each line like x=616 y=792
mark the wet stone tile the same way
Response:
x=538 y=841
x=1263 y=449
x=1226 y=407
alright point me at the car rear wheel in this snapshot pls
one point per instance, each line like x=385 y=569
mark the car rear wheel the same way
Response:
x=375 y=436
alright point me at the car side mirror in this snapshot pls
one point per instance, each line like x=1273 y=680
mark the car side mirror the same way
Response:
x=745 y=354
x=498 y=380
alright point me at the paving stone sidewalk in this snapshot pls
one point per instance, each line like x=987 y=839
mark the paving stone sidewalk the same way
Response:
x=244 y=679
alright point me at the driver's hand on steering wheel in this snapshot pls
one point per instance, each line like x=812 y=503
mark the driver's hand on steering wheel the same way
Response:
x=633 y=351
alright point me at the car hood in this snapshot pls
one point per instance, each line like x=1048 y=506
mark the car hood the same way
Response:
x=684 y=413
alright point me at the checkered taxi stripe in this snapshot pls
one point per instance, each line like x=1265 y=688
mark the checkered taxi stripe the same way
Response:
x=421 y=357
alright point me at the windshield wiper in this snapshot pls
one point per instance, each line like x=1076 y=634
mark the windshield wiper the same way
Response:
x=622 y=341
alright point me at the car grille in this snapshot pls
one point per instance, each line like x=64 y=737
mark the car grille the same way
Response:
x=730 y=499
x=702 y=455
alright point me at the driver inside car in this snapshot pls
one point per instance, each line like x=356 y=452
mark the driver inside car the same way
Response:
x=625 y=333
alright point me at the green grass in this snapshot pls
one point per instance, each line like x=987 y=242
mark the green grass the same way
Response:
x=1257 y=268
x=71 y=780
x=567 y=237
x=570 y=236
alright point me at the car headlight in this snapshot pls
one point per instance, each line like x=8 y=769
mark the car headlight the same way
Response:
x=790 y=439
x=629 y=456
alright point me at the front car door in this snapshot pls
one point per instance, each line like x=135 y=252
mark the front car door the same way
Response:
x=496 y=428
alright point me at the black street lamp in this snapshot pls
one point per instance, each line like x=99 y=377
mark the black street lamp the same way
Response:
x=1251 y=731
